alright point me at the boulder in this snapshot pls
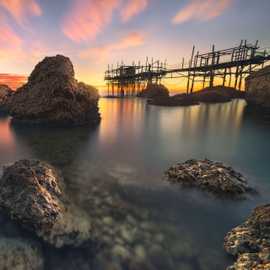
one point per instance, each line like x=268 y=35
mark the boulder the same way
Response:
x=154 y=90
x=208 y=175
x=249 y=243
x=19 y=254
x=53 y=96
x=258 y=90
x=32 y=193
x=5 y=93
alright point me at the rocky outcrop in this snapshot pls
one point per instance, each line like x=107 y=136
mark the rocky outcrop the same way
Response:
x=32 y=193
x=18 y=254
x=250 y=242
x=5 y=93
x=258 y=90
x=53 y=96
x=154 y=91
x=179 y=100
x=208 y=175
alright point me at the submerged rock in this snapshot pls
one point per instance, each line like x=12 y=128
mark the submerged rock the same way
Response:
x=250 y=242
x=5 y=93
x=17 y=254
x=53 y=96
x=154 y=90
x=258 y=90
x=208 y=175
x=32 y=193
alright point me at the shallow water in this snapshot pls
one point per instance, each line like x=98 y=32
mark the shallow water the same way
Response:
x=114 y=172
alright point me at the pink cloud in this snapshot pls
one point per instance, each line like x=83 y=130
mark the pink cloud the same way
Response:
x=201 y=10
x=87 y=18
x=133 y=8
x=133 y=39
x=21 y=9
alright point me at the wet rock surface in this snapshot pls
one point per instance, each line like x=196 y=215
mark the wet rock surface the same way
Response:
x=249 y=243
x=208 y=175
x=154 y=91
x=32 y=193
x=258 y=90
x=53 y=96
x=5 y=93
x=18 y=254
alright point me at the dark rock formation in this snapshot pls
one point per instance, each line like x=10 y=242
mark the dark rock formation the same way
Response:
x=179 y=100
x=250 y=242
x=19 y=254
x=208 y=175
x=258 y=90
x=5 y=93
x=154 y=91
x=53 y=96
x=32 y=193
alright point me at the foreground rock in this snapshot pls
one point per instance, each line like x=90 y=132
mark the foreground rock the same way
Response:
x=154 y=91
x=17 y=254
x=208 y=175
x=5 y=93
x=258 y=90
x=53 y=96
x=250 y=242
x=32 y=193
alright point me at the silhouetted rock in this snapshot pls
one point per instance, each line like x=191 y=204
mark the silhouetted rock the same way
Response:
x=208 y=175
x=32 y=193
x=258 y=90
x=179 y=100
x=5 y=93
x=154 y=90
x=250 y=242
x=53 y=96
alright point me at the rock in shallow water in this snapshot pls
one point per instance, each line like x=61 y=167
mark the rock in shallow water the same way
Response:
x=32 y=193
x=53 y=96
x=208 y=175
x=250 y=242
x=17 y=254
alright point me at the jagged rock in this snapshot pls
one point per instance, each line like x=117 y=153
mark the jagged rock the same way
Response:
x=32 y=193
x=5 y=93
x=17 y=254
x=154 y=90
x=208 y=175
x=258 y=90
x=53 y=96
x=250 y=242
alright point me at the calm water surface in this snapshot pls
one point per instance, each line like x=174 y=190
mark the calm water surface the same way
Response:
x=114 y=172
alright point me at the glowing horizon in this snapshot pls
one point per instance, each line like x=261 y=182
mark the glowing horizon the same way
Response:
x=95 y=33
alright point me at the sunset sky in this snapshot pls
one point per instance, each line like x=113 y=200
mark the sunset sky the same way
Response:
x=95 y=33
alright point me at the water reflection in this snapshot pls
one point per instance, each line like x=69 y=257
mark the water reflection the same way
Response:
x=115 y=173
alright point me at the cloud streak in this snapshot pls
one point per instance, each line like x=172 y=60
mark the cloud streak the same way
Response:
x=133 y=39
x=19 y=10
x=133 y=8
x=201 y=10
x=12 y=80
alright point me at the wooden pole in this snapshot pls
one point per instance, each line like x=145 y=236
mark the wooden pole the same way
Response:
x=190 y=64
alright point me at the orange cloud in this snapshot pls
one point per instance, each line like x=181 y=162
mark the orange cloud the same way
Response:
x=86 y=19
x=201 y=10
x=20 y=9
x=133 y=39
x=12 y=80
x=133 y=8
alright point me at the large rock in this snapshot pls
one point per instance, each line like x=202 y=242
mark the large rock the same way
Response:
x=258 y=89
x=154 y=90
x=19 y=254
x=208 y=175
x=5 y=93
x=250 y=242
x=53 y=96
x=32 y=193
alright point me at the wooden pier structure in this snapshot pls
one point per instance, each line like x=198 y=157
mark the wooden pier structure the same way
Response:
x=231 y=66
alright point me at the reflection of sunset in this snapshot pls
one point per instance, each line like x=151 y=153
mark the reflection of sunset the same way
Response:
x=6 y=135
